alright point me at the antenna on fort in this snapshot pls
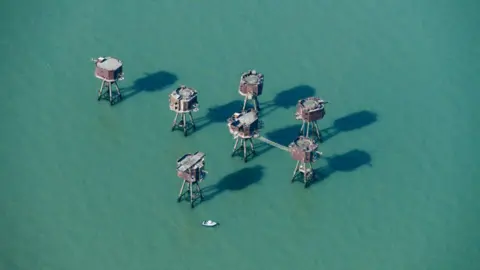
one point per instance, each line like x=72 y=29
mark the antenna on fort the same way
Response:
x=244 y=126
x=109 y=70
x=183 y=101
x=251 y=86
x=191 y=168
x=310 y=110
x=304 y=151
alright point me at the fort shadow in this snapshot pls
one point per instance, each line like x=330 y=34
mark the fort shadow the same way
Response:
x=287 y=99
x=219 y=114
x=351 y=122
x=236 y=181
x=151 y=82
x=347 y=162
x=283 y=136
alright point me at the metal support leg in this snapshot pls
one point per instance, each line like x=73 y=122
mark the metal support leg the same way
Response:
x=244 y=103
x=110 y=92
x=101 y=90
x=185 y=124
x=191 y=194
x=317 y=131
x=199 y=190
x=235 y=146
x=301 y=129
x=191 y=119
x=295 y=171
x=244 y=150
x=174 y=121
x=251 y=146
x=181 y=192
x=118 y=90
x=257 y=104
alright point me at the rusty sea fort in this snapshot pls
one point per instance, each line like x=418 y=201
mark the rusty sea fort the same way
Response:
x=86 y=185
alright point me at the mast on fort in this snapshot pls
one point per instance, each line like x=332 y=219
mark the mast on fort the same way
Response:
x=183 y=101
x=191 y=169
x=309 y=111
x=251 y=86
x=109 y=70
x=244 y=127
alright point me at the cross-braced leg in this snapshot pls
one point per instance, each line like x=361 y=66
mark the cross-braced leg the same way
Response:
x=317 y=131
x=191 y=195
x=101 y=90
x=244 y=143
x=302 y=128
x=181 y=192
x=184 y=124
x=118 y=90
x=175 y=121
x=110 y=92
x=251 y=146
x=193 y=122
x=199 y=190
x=295 y=171
x=257 y=104
x=235 y=146
x=245 y=103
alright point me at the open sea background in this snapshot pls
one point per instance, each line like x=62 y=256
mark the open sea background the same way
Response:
x=86 y=185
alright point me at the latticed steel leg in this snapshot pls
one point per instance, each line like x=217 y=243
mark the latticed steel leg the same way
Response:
x=118 y=90
x=184 y=117
x=110 y=92
x=295 y=171
x=193 y=122
x=100 y=91
x=252 y=146
x=317 y=131
x=175 y=121
x=256 y=104
x=302 y=128
x=235 y=146
x=181 y=192
x=243 y=146
x=199 y=191
x=190 y=186
x=245 y=103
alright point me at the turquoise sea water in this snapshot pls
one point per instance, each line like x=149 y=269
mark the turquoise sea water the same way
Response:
x=86 y=185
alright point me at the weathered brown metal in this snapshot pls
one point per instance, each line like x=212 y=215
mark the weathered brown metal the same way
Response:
x=183 y=101
x=109 y=70
x=251 y=86
x=244 y=127
x=191 y=169
x=309 y=111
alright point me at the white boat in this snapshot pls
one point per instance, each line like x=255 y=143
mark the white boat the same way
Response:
x=210 y=223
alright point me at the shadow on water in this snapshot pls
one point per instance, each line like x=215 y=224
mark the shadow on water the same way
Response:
x=150 y=83
x=347 y=162
x=349 y=123
x=219 y=114
x=287 y=99
x=235 y=181
x=283 y=136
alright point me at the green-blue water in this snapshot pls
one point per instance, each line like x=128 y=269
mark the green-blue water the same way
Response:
x=86 y=185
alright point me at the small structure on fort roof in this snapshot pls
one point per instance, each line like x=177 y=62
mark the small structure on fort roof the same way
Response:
x=109 y=70
x=309 y=111
x=191 y=169
x=304 y=151
x=244 y=127
x=183 y=101
x=251 y=86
